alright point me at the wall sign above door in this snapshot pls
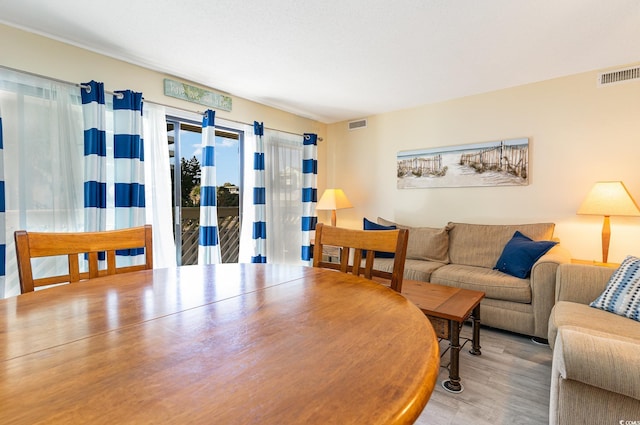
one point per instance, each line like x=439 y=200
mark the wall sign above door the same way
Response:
x=196 y=95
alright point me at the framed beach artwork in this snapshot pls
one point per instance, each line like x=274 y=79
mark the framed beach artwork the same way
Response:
x=499 y=163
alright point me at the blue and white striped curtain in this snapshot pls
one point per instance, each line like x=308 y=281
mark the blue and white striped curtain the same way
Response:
x=259 y=198
x=309 y=191
x=128 y=155
x=3 y=234
x=209 y=249
x=95 y=156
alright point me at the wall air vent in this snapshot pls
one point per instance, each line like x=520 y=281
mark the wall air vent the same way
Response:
x=357 y=125
x=619 y=76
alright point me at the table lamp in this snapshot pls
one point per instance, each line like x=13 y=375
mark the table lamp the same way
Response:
x=607 y=199
x=333 y=199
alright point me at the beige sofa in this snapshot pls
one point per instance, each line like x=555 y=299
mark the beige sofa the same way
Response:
x=596 y=354
x=463 y=255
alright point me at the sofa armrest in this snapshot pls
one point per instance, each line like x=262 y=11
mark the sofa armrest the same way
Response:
x=581 y=283
x=543 y=286
x=598 y=359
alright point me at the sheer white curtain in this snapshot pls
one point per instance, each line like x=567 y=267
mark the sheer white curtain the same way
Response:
x=283 y=183
x=158 y=184
x=43 y=150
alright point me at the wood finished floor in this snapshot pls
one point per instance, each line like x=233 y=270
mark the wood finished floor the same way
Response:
x=507 y=385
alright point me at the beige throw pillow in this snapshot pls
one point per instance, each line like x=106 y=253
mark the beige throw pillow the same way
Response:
x=425 y=243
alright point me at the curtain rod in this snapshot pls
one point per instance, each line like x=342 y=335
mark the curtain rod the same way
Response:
x=120 y=95
x=57 y=80
x=88 y=89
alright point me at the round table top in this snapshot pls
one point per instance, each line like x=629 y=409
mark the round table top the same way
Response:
x=223 y=344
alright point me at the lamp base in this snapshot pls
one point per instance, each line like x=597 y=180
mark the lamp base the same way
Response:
x=606 y=237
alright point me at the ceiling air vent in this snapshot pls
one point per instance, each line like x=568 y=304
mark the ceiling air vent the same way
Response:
x=357 y=125
x=619 y=76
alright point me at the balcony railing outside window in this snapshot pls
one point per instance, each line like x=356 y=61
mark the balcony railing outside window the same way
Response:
x=228 y=229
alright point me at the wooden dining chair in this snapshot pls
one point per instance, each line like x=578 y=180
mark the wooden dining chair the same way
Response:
x=39 y=244
x=359 y=241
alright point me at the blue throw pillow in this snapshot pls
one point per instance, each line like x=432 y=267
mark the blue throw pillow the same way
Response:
x=520 y=254
x=622 y=294
x=370 y=225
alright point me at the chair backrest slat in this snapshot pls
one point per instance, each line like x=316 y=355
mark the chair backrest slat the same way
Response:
x=357 y=241
x=41 y=244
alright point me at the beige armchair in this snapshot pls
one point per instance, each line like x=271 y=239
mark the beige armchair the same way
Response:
x=596 y=354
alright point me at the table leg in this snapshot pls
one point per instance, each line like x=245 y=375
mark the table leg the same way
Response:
x=453 y=384
x=475 y=349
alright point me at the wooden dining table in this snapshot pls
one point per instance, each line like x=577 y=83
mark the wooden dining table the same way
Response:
x=216 y=344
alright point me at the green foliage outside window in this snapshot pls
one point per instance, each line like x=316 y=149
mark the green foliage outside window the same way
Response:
x=227 y=194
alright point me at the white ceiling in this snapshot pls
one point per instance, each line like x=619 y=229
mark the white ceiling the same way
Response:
x=334 y=60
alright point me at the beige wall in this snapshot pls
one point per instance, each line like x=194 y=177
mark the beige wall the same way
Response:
x=578 y=134
x=36 y=54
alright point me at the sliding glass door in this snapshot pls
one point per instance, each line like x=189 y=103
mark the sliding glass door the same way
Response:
x=185 y=148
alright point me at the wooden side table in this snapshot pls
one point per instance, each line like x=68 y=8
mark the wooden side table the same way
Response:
x=595 y=263
x=331 y=253
x=453 y=306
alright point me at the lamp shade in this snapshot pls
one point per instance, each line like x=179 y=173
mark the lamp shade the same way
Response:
x=609 y=198
x=333 y=199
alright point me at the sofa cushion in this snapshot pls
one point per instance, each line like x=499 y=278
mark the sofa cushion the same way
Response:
x=413 y=269
x=481 y=244
x=425 y=243
x=370 y=225
x=520 y=254
x=493 y=283
x=622 y=294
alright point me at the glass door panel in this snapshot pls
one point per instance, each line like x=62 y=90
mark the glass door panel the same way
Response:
x=185 y=149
